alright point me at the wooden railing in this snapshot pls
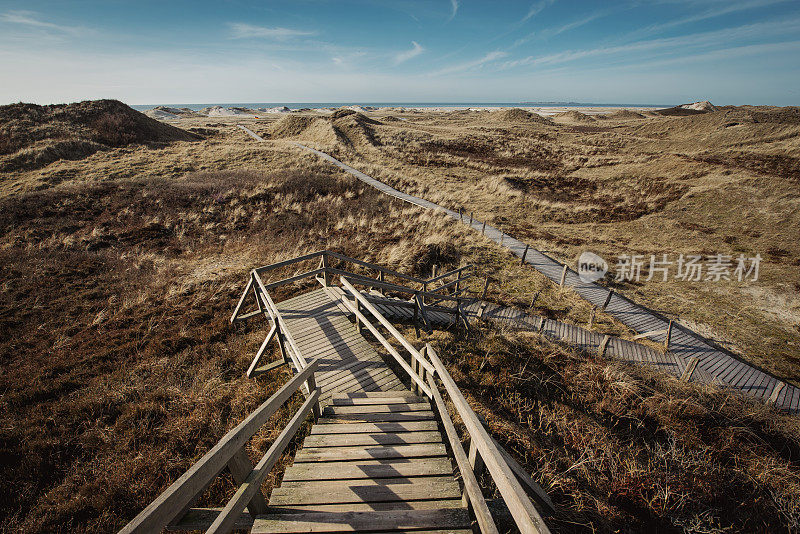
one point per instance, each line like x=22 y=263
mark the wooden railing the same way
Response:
x=513 y=483
x=173 y=508
x=422 y=301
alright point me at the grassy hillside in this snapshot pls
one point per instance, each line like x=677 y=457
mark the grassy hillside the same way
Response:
x=119 y=368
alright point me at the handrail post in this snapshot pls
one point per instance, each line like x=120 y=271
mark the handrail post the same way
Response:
x=325 y=275
x=312 y=386
x=416 y=315
x=475 y=460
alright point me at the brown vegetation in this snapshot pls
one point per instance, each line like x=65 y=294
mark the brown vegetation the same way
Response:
x=621 y=449
x=120 y=270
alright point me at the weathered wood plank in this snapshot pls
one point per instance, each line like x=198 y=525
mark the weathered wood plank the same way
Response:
x=380 y=417
x=392 y=520
x=358 y=401
x=332 y=411
x=373 y=469
x=439 y=504
x=353 y=491
x=354 y=428
x=383 y=438
x=338 y=454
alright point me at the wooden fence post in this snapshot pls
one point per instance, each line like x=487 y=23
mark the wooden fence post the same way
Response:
x=470 y=218
x=523 y=255
x=601 y=350
x=591 y=316
x=483 y=229
x=563 y=277
x=485 y=288
x=669 y=335
x=608 y=299
x=534 y=299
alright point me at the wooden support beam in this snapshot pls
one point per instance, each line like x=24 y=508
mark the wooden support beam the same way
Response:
x=177 y=498
x=261 y=350
x=563 y=277
x=524 y=254
x=240 y=467
x=483 y=230
x=226 y=520
x=591 y=317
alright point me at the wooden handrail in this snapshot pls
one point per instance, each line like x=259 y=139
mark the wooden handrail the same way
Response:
x=449 y=273
x=182 y=492
x=386 y=324
x=525 y=515
x=300 y=362
x=363 y=280
x=284 y=263
x=388 y=346
x=472 y=490
x=226 y=520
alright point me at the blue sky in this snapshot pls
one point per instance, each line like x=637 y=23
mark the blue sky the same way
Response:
x=143 y=52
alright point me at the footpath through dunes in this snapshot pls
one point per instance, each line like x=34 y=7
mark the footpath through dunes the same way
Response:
x=723 y=367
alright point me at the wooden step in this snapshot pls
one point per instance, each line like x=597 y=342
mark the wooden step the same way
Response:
x=368 y=469
x=368 y=394
x=378 y=417
x=338 y=454
x=356 y=428
x=448 y=520
x=338 y=400
x=366 y=506
x=354 y=491
x=334 y=411
x=378 y=438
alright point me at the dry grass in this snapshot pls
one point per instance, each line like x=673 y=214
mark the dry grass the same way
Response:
x=620 y=449
x=705 y=183
x=120 y=269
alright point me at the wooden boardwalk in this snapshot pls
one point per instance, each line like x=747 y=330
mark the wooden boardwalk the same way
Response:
x=718 y=365
x=375 y=460
x=347 y=362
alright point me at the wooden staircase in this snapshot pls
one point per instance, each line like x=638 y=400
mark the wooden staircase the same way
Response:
x=374 y=461
x=383 y=454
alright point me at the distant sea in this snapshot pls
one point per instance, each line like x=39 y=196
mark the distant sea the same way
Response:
x=300 y=105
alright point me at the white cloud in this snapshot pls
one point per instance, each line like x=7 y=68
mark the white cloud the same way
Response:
x=248 y=31
x=453 y=9
x=536 y=8
x=491 y=56
x=416 y=49
x=30 y=19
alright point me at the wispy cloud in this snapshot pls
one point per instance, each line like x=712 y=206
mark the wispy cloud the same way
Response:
x=416 y=49
x=31 y=19
x=557 y=30
x=476 y=63
x=454 y=4
x=719 y=10
x=241 y=30
x=536 y=8
x=675 y=44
